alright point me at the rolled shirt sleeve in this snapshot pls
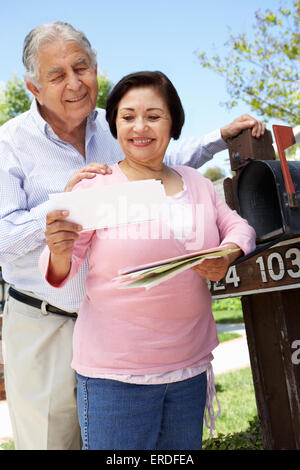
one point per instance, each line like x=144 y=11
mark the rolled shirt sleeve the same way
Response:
x=194 y=152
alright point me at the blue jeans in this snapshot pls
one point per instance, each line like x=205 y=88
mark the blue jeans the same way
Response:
x=115 y=415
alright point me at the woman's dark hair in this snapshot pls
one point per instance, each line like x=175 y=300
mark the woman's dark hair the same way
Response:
x=146 y=79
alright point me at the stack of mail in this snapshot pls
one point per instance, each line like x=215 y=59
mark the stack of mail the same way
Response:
x=152 y=274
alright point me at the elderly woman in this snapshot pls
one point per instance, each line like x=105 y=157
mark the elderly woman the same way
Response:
x=143 y=357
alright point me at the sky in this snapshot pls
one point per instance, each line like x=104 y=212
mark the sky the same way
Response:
x=132 y=35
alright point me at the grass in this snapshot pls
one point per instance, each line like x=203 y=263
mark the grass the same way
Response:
x=9 y=445
x=226 y=336
x=235 y=393
x=228 y=310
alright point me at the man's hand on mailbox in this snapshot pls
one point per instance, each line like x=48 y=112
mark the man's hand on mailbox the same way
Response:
x=215 y=269
x=241 y=123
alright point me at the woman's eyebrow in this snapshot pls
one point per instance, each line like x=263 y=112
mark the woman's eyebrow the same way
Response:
x=148 y=109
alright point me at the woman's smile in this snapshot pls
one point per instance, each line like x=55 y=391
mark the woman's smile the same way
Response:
x=141 y=141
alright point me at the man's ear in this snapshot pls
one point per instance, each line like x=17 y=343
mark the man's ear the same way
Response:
x=34 y=90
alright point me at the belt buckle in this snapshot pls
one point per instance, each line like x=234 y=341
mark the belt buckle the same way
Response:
x=43 y=308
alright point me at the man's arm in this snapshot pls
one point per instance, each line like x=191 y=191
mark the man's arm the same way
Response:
x=195 y=152
x=21 y=229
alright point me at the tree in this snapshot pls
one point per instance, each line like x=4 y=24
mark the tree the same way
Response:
x=104 y=86
x=264 y=71
x=14 y=98
x=214 y=173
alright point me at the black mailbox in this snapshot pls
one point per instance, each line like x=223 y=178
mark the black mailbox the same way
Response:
x=263 y=199
x=265 y=191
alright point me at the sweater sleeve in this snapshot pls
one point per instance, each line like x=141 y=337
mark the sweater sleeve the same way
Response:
x=233 y=228
x=81 y=246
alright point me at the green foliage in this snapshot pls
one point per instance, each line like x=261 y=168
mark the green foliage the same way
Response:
x=250 y=439
x=214 y=173
x=228 y=310
x=225 y=336
x=8 y=445
x=104 y=86
x=231 y=303
x=228 y=316
x=263 y=70
x=14 y=99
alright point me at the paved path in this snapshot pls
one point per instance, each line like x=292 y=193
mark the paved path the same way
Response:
x=231 y=355
x=228 y=356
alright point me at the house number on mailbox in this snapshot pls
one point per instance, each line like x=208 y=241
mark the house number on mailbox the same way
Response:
x=275 y=265
x=231 y=278
x=271 y=267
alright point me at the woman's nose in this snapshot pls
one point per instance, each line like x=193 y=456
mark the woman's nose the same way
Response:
x=140 y=124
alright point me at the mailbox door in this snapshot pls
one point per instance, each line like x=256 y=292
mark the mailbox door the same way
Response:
x=263 y=200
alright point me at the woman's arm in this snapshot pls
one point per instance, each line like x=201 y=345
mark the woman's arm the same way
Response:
x=235 y=233
x=60 y=237
x=65 y=251
x=216 y=268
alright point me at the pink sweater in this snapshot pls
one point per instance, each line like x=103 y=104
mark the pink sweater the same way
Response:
x=169 y=327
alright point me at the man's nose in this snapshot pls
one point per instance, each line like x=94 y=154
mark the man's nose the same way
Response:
x=74 y=83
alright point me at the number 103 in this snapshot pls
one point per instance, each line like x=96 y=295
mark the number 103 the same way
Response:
x=275 y=265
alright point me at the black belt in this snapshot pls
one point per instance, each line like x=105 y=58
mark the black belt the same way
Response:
x=40 y=304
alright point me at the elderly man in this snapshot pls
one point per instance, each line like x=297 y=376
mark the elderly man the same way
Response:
x=61 y=134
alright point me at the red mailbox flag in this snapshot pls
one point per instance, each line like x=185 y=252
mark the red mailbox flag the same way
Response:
x=284 y=138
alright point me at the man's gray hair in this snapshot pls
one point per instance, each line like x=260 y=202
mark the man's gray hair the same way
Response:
x=47 y=33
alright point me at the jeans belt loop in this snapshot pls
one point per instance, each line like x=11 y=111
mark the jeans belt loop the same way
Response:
x=43 y=308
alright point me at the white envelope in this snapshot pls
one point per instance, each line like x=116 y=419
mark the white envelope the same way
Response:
x=112 y=205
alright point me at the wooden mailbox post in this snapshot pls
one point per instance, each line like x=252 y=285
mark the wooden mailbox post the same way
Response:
x=269 y=285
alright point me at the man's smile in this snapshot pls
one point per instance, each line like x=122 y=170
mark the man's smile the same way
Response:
x=77 y=98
